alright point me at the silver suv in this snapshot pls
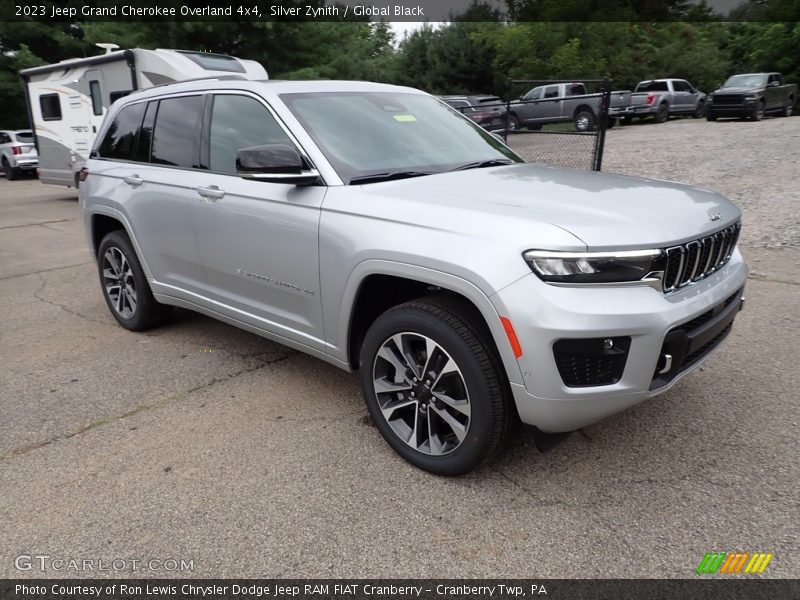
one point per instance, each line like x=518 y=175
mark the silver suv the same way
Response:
x=18 y=153
x=377 y=229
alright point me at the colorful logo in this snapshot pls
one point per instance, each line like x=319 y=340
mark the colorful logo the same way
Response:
x=734 y=562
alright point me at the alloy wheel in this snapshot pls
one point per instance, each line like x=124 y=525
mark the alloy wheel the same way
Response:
x=421 y=393
x=118 y=282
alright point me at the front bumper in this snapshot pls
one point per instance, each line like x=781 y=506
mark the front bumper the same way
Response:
x=543 y=314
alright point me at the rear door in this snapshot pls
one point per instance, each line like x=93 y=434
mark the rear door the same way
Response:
x=682 y=98
x=159 y=188
x=258 y=241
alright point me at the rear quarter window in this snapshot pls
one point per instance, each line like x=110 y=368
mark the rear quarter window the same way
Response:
x=120 y=139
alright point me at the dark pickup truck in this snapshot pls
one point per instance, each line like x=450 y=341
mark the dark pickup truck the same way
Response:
x=752 y=95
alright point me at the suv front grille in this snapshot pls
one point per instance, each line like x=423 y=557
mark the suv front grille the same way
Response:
x=698 y=259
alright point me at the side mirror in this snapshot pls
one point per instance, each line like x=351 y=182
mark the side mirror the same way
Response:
x=773 y=84
x=275 y=163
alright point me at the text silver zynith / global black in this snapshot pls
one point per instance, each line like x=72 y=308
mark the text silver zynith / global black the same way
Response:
x=376 y=228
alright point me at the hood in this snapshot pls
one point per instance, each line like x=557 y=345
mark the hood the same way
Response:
x=739 y=90
x=517 y=203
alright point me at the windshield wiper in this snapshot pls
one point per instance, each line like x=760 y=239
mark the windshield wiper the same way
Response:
x=481 y=164
x=388 y=176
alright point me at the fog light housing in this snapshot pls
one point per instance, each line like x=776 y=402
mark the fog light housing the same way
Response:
x=593 y=361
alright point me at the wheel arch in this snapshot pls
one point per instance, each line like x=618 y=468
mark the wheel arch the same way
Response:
x=102 y=221
x=377 y=285
x=581 y=107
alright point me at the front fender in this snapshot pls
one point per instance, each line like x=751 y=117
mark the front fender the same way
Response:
x=435 y=277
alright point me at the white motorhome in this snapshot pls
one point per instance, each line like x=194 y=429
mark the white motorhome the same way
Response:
x=68 y=100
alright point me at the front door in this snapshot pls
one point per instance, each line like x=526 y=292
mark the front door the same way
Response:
x=258 y=241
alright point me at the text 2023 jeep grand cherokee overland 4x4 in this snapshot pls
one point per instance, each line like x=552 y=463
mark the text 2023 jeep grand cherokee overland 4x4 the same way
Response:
x=377 y=229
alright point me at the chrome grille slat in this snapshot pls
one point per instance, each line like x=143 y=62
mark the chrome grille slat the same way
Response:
x=695 y=260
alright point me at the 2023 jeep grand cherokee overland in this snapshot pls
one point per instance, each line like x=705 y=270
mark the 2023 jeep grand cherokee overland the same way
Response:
x=379 y=230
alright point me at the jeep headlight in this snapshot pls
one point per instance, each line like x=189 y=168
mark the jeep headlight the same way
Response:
x=592 y=267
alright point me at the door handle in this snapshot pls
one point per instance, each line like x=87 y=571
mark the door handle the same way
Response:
x=134 y=180
x=210 y=193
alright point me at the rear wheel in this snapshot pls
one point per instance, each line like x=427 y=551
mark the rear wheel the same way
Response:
x=11 y=172
x=125 y=286
x=584 y=120
x=434 y=385
x=662 y=113
x=788 y=107
x=610 y=123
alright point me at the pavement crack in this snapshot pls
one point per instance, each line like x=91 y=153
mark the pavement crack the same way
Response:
x=142 y=408
x=40 y=223
x=45 y=271
x=38 y=294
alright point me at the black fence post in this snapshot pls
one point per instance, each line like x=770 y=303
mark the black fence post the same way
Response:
x=508 y=110
x=600 y=140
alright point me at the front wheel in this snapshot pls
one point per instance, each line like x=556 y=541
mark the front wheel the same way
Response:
x=711 y=116
x=757 y=112
x=125 y=286
x=434 y=385
x=584 y=120
x=513 y=123
x=699 y=111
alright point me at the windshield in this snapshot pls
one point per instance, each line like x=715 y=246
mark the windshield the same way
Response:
x=370 y=133
x=746 y=81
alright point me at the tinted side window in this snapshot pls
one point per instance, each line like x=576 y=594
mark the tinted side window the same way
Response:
x=240 y=122
x=121 y=135
x=97 y=101
x=175 y=137
x=5 y=138
x=51 y=107
x=145 y=139
x=551 y=91
x=680 y=86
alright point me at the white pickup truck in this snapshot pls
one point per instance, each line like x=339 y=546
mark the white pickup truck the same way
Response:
x=563 y=102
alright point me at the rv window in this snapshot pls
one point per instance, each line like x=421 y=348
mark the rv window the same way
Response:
x=121 y=134
x=51 y=107
x=177 y=123
x=240 y=122
x=97 y=101
x=114 y=96
x=215 y=62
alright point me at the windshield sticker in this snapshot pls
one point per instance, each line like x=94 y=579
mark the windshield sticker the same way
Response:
x=404 y=118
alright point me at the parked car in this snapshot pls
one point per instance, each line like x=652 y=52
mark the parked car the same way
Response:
x=564 y=102
x=18 y=153
x=661 y=98
x=487 y=111
x=372 y=227
x=753 y=95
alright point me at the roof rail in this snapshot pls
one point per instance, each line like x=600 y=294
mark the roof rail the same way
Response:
x=211 y=78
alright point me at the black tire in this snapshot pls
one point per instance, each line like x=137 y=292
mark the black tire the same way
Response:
x=146 y=312
x=12 y=174
x=625 y=120
x=758 y=112
x=699 y=111
x=711 y=115
x=787 y=109
x=513 y=123
x=584 y=119
x=610 y=123
x=662 y=113
x=459 y=334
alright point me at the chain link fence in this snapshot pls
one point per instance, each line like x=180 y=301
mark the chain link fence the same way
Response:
x=557 y=122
